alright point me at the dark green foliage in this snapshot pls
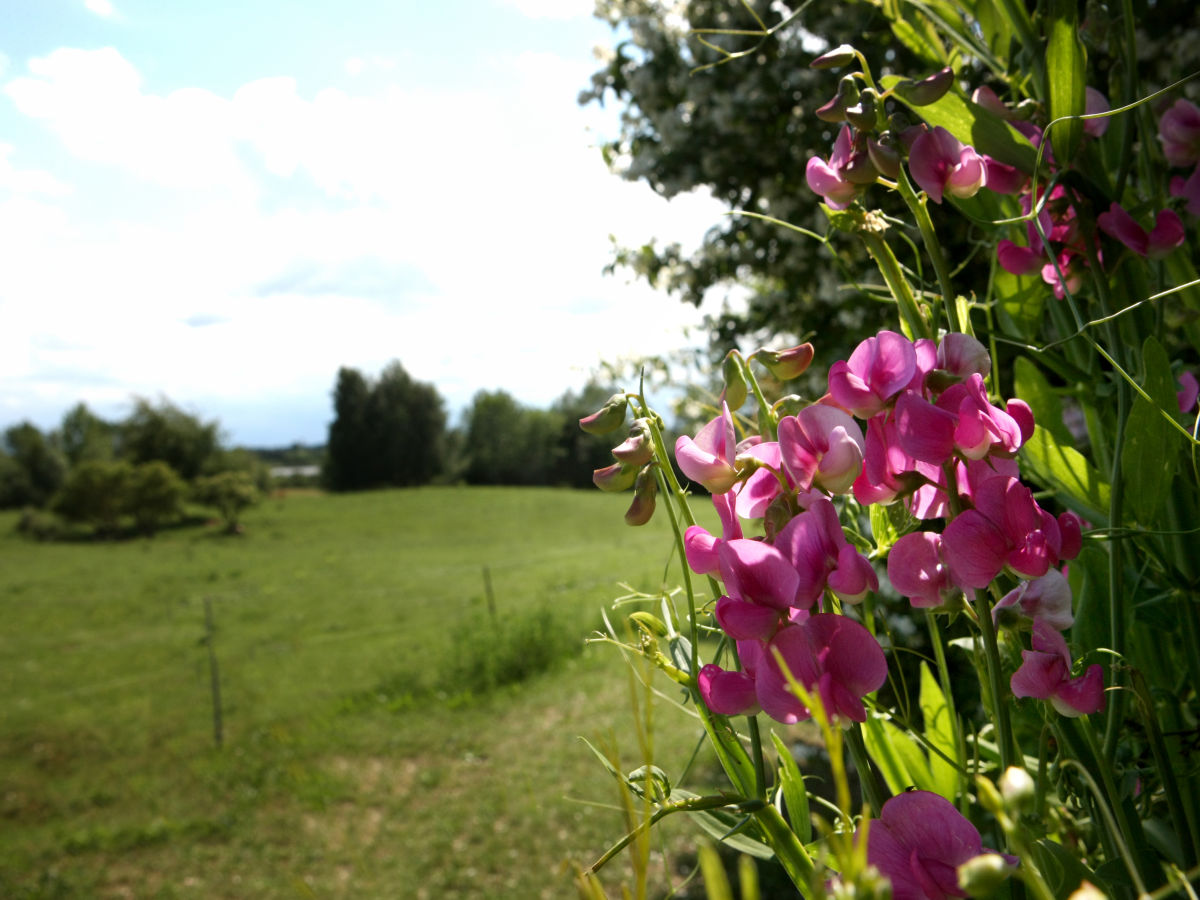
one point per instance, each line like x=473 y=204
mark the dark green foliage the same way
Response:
x=84 y=435
x=95 y=493
x=230 y=493
x=31 y=469
x=506 y=443
x=386 y=433
x=155 y=494
x=166 y=432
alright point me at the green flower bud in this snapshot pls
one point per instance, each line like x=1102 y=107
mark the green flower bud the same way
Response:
x=736 y=389
x=1018 y=789
x=989 y=796
x=884 y=154
x=862 y=113
x=608 y=418
x=644 y=491
x=649 y=623
x=786 y=364
x=927 y=90
x=846 y=96
x=615 y=478
x=638 y=449
x=984 y=874
x=835 y=58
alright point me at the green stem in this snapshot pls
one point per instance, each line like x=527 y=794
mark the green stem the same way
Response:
x=868 y=778
x=991 y=651
x=917 y=205
x=939 y=654
x=889 y=268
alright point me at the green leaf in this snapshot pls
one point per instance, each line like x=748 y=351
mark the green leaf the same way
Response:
x=888 y=524
x=1063 y=870
x=716 y=882
x=1019 y=303
x=974 y=125
x=1151 y=454
x=898 y=756
x=1048 y=455
x=795 y=795
x=1066 y=74
x=939 y=731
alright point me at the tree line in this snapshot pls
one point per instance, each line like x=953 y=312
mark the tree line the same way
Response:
x=392 y=431
x=142 y=470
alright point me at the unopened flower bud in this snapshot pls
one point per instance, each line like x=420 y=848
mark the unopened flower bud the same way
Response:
x=1017 y=789
x=846 y=96
x=637 y=450
x=860 y=170
x=884 y=154
x=988 y=795
x=1087 y=891
x=835 y=58
x=608 y=418
x=649 y=623
x=786 y=364
x=862 y=113
x=644 y=491
x=927 y=90
x=736 y=389
x=984 y=874
x=615 y=478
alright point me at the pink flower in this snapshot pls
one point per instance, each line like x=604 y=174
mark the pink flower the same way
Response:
x=832 y=656
x=916 y=569
x=1045 y=673
x=700 y=547
x=939 y=163
x=758 y=572
x=980 y=427
x=709 y=458
x=1179 y=131
x=727 y=693
x=962 y=355
x=755 y=494
x=1158 y=243
x=1189 y=189
x=1066 y=277
x=1046 y=599
x=1019 y=260
x=878 y=369
x=1096 y=103
x=918 y=842
x=821 y=446
x=829 y=178
x=816 y=546
x=1189 y=390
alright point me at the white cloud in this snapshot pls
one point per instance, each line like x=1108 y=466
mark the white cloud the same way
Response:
x=27 y=181
x=468 y=228
x=100 y=7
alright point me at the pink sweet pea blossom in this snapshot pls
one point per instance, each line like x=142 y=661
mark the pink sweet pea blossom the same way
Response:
x=832 y=656
x=1179 y=131
x=709 y=458
x=817 y=547
x=1166 y=235
x=916 y=569
x=878 y=369
x=919 y=841
x=1046 y=599
x=940 y=163
x=829 y=178
x=962 y=355
x=1189 y=190
x=727 y=693
x=1189 y=390
x=700 y=547
x=821 y=446
x=757 y=572
x=765 y=483
x=1096 y=103
x=1045 y=673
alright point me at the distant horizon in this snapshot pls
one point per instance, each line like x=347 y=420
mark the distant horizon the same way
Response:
x=226 y=230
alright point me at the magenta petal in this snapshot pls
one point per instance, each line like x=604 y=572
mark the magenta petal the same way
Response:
x=928 y=163
x=1096 y=103
x=932 y=826
x=855 y=658
x=853 y=578
x=926 y=432
x=1189 y=390
x=727 y=693
x=700 y=548
x=1117 y=223
x=1166 y=235
x=1071 y=531
x=915 y=568
x=1023 y=416
x=1018 y=260
x=745 y=621
x=974 y=550
x=756 y=571
x=1083 y=695
x=851 y=392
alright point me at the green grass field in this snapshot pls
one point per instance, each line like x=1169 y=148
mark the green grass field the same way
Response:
x=385 y=735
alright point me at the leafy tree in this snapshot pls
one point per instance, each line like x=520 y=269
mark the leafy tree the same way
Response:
x=230 y=493
x=154 y=494
x=507 y=443
x=34 y=469
x=165 y=432
x=96 y=492
x=389 y=432
x=84 y=435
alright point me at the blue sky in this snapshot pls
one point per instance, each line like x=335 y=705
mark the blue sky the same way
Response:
x=221 y=203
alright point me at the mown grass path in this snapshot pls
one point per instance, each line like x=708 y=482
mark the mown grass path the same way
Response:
x=367 y=749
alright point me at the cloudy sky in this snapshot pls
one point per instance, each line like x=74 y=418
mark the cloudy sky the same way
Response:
x=223 y=201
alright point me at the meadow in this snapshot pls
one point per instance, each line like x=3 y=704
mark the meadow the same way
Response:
x=389 y=726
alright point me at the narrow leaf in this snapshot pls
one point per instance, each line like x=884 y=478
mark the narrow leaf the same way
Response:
x=1066 y=75
x=939 y=731
x=795 y=795
x=1151 y=453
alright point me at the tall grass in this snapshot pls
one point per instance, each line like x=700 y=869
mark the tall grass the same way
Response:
x=385 y=732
